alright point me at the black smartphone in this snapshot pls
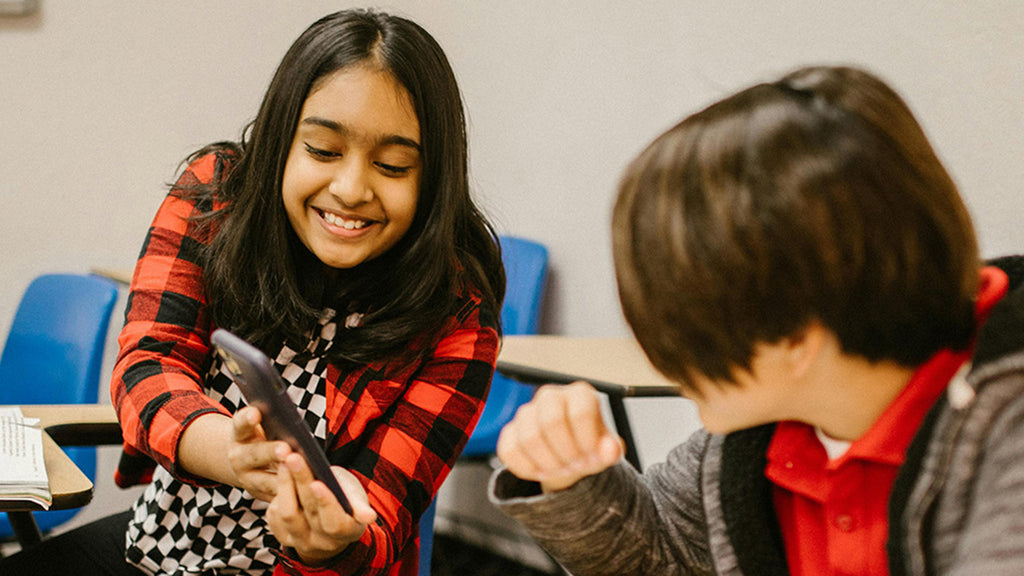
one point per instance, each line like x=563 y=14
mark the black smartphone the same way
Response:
x=264 y=388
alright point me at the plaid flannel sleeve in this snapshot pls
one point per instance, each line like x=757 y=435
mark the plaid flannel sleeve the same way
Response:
x=407 y=447
x=155 y=386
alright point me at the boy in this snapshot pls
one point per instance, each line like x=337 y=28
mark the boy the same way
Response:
x=799 y=261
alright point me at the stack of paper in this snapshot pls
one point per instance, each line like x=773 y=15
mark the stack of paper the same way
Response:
x=22 y=470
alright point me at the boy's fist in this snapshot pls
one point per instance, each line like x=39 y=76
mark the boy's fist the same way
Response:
x=559 y=437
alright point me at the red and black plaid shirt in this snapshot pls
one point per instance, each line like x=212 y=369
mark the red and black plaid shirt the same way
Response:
x=399 y=431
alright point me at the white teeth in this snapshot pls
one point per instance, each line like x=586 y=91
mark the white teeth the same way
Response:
x=342 y=223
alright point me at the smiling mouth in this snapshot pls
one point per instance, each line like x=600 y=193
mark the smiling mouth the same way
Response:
x=335 y=220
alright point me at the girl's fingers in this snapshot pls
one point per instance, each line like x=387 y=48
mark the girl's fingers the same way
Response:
x=287 y=500
x=362 y=512
x=283 y=511
x=253 y=459
x=321 y=507
x=265 y=456
x=250 y=449
x=309 y=500
x=246 y=424
x=307 y=517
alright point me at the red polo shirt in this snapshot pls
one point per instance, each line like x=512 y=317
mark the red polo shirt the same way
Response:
x=834 y=514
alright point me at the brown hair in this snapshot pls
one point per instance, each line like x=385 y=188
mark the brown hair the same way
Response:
x=817 y=197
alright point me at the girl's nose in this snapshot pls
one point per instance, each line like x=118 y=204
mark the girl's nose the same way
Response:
x=351 y=184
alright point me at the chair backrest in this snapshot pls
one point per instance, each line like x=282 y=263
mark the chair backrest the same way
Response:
x=526 y=271
x=427 y=538
x=54 y=353
x=54 y=350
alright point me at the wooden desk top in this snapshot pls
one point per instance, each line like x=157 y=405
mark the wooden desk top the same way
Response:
x=612 y=365
x=116 y=274
x=51 y=415
x=69 y=487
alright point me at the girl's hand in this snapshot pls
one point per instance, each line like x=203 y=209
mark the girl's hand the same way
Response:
x=559 y=437
x=306 y=516
x=254 y=459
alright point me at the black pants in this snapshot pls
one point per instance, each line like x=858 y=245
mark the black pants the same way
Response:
x=95 y=549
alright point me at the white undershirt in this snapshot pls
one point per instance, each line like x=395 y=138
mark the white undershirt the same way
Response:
x=834 y=448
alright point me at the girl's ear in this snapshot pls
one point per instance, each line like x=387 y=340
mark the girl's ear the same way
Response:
x=805 y=347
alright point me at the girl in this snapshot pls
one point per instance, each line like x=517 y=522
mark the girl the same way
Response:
x=339 y=235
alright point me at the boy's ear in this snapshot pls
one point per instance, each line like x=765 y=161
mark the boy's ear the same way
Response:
x=804 y=347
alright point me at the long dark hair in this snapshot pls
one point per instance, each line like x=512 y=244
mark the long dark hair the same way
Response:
x=265 y=285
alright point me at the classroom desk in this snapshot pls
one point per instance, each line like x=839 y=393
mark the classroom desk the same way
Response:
x=63 y=425
x=615 y=366
x=118 y=275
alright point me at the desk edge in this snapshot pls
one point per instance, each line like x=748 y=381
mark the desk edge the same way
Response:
x=539 y=376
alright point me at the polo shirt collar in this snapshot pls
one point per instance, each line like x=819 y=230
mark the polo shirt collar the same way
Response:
x=887 y=440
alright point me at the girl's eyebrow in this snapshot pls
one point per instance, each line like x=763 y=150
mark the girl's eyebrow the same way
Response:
x=389 y=140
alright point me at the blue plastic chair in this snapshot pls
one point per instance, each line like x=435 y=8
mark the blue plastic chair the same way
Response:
x=53 y=355
x=427 y=538
x=526 y=271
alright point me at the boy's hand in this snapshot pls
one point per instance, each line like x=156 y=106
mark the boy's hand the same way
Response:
x=306 y=516
x=559 y=437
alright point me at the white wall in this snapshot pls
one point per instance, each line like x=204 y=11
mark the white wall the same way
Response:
x=100 y=100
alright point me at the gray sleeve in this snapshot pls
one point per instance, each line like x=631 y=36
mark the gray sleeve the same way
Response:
x=619 y=522
x=992 y=537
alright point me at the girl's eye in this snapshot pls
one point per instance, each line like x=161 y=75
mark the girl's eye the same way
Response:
x=320 y=153
x=392 y=170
